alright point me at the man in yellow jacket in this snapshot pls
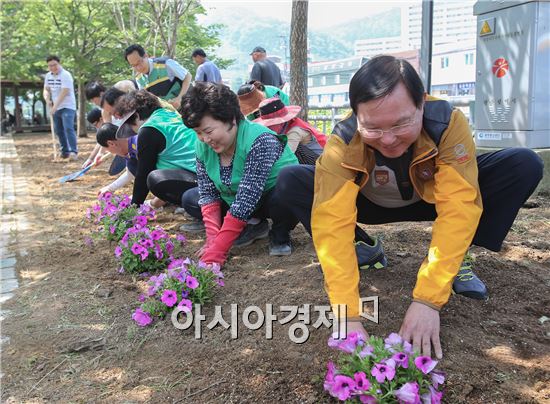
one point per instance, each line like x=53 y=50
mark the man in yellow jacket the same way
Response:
x=406 y=156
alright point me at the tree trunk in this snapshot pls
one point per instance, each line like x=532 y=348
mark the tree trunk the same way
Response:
x=298 y=56
x=81 y=120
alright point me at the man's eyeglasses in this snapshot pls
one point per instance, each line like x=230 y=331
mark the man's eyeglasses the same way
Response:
x=397 y=130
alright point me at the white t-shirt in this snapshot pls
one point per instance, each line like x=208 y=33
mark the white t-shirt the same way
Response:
x=56 y=82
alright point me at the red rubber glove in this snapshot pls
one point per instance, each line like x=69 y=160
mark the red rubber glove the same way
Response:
x=212 y=218
x=216 y=252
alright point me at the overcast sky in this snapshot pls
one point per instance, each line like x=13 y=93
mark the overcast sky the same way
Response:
x=321 y=13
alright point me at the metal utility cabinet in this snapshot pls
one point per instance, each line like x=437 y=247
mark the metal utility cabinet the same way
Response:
x=512 y=104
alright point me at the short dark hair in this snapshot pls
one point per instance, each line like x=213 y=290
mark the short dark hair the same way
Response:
x=213 y=99
x=379 y=76
x=93 y=116
x=111 y=96
x=94 y=89
x=53 y=57
x=105 y=133
x=198 y=52
x=134 y=48
x=141 y=101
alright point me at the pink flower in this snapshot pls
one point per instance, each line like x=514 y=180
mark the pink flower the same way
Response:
x=136 y=249
x=140 y=221
x=408 y=393
x=157 y=235
x=401 y=359
x=191 y=282
x=141 y=298
x=432 y=396
x=329 y=377
x=112 y=229
x=169 y=247
x=342 y=387
x=220 y=282
x=144 y=254
x=437 y=378
x=366 y=351
x=425 y=364
x=382 y=372
x=186 y=305
x=141 y=317
x=158 y=252
x=181 y=238
x=118 y=251
x=169 y=297
x=348 y=344
x=367 y=399
x=145 y=242
x=361 y=381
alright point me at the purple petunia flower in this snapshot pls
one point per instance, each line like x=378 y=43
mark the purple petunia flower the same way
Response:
x=169 y=247
x=136 y=249
x=169 y=297
x=140 y=221
x=425 y=364
x=191 y=282
x=365 y=399
x=88 y=241
x=181 y=238
x=151 y=291
x=361 y=381
x=432 y=396
x=141 y=298
x=158 y=252
x=348 y=344
x=112 y=229
x=118 y=251
x=402 y=359
x=184 y=293
x=157 y=234
x=181 y=275
x=408 y=393
x=437 y=378
x=366 y=351
x=185 y=305
x=141 y=317
x=144 y=254
x=382 y=372
x=147 y=243
x=342 y=387
x=220 y=282
x=88 y=214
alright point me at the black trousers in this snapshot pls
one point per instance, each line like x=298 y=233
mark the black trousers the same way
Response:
x=170 y=185
x=266 y=208
x=506 y=179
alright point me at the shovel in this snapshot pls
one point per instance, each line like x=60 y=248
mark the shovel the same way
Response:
x=75 y=175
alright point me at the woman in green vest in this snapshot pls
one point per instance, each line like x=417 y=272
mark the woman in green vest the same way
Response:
x=237 y=166
x=165 y=147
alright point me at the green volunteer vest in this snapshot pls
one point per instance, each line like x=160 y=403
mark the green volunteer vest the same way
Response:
x=272 y=91
x=180 y=141
x=157 y=81
x=247 y=133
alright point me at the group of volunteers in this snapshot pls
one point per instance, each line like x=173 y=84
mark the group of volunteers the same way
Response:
x=233 y=160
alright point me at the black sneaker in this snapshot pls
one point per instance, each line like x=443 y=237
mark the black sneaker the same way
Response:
x=370 y=256
x=251 y=233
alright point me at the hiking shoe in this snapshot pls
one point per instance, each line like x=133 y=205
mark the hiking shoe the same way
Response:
x=467 y=283
x=194 y=226
x=251 y=233
x=280 y=249
x=370 y=256
x=179 y=211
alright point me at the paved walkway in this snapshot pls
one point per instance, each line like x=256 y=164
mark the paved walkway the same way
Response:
x=14 y=203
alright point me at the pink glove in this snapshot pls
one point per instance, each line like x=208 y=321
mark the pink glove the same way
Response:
x=217 y=251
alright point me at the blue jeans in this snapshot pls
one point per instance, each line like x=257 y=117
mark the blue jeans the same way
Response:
x=63 y=124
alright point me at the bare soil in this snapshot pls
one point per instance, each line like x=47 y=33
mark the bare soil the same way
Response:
x=72 y=339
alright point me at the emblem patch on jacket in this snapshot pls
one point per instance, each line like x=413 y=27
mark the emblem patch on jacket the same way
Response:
x=425 y=170
x=382 y=177
x=461 y=153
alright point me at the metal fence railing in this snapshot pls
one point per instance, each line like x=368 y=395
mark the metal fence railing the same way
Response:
x=325 y=117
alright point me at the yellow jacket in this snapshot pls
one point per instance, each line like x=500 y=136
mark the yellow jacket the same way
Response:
x=443 y=172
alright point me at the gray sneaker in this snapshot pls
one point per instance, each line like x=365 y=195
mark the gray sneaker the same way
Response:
x=179 y=211
x=194 y=226
x=251 y=233
x=280 y=250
